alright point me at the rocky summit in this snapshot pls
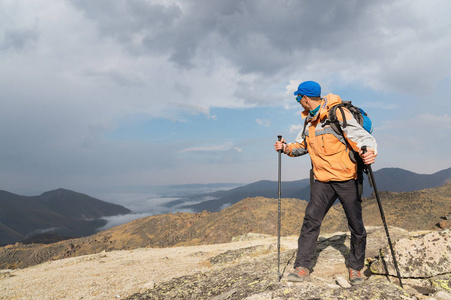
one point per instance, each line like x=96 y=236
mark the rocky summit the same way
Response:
x=251 y=273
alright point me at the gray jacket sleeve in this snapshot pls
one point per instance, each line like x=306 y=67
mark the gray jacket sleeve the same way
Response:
x=358 y=136
x=298 y=148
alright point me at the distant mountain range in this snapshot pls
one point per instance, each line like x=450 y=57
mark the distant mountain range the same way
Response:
x=413 y=211
x=61 y=212
x=387 y=179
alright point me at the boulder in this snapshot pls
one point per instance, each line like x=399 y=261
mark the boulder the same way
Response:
x=377 y=238
x=423 y=256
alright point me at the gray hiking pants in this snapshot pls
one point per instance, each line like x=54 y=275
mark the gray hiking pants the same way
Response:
x=323 y=195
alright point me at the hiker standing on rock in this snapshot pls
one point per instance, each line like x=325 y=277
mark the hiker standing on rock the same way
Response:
x=336 y=176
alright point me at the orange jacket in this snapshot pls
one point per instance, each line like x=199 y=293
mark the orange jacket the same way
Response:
x=328 y=150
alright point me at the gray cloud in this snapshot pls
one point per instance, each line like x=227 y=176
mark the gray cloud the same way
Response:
x=138 y=25
x=283 y=38
x=118 y=77
x=73 y=72
x=113 y=221
x=18 y=39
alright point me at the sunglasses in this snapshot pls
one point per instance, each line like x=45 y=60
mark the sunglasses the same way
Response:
x=299 y=98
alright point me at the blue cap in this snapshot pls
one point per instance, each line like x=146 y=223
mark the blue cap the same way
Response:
x=309 y=89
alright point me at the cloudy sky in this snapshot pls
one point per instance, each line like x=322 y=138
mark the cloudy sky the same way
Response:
x=102 y=96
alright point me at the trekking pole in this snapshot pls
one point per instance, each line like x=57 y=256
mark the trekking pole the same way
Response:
x=371 y=178
x=279 y=211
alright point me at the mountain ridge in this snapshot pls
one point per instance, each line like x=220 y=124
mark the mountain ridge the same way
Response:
x=387 y=179
x=59 y=211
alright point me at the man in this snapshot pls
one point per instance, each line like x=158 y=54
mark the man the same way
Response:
x=335 y=175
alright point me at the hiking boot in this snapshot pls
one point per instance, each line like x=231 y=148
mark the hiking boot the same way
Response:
x=300 y=274
x=355 y=277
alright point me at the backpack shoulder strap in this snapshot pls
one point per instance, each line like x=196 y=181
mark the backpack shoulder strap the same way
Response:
x=334 y=123
x=305 y=126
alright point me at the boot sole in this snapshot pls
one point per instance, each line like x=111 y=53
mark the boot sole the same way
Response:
x=298 y=279
x=357 y=282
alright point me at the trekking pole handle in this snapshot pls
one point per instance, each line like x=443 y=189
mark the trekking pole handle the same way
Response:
x=279 y=137
x=363 y=149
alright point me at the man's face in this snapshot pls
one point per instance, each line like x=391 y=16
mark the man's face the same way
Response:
x=301 y=99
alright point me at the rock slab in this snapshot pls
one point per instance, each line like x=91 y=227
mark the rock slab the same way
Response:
x=423 y=256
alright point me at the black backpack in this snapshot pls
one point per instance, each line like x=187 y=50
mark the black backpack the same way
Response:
x=359 y=114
